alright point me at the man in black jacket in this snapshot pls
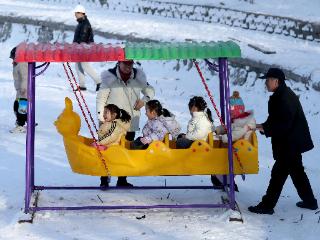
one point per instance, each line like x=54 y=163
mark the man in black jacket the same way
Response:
x=84 y=34
x=290 y=137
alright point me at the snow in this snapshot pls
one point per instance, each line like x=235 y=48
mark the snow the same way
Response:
x=305 y=10
x=173 y=89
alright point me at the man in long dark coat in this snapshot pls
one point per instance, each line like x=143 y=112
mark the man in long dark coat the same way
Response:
x=290 y=137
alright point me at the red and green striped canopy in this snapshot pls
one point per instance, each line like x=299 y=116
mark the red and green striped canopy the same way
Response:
x=47 y=52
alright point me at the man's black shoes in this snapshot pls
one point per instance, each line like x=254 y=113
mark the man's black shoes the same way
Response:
x=312 y=205
x=261 y=209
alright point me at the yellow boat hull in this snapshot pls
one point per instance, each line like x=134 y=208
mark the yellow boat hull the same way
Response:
x=159 y=159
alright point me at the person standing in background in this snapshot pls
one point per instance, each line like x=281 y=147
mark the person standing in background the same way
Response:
x=122 y=86
x=84 y=34
x=20 y=77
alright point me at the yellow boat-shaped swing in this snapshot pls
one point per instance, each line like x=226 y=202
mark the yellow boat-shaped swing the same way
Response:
x=160 y=158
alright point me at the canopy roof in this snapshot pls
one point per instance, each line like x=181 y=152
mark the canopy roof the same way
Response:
x=47 y=52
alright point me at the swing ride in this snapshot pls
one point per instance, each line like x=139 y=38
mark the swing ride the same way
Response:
x=161 y=158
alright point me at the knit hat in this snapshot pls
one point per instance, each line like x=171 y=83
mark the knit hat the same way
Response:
x=79 y=8
x=236 y=105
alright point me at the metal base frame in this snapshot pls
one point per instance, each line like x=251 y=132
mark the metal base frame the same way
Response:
x=30 y=139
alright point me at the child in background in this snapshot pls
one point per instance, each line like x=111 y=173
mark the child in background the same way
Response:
x=242 y=123
x=20 y=77
x=117 y=123
x=200 y=125
x=160 y=122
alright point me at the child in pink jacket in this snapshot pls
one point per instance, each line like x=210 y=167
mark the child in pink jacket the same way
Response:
x=243 y=123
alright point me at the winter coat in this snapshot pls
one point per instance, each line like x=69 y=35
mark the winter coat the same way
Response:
x=83 y=32
x=20 y=77
x=157 y=128
x=286 y=124
x=199 y=126
x=171 y=125
x=114 y=90
x=154 y=129
x=241 y=128
x=110 y=132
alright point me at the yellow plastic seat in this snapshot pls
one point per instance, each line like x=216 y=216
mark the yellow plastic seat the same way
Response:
x=166 y=140
x=160 y=158
x=210 y=139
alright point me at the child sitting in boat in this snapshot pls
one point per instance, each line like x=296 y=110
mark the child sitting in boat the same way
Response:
x=242 y=125
x=200 y=125
x=160 y=122
x=243 y=122
x=117 y=123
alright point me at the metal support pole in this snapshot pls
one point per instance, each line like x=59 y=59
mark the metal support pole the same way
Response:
x=222 y=71
x=228 y=121
x=30 y=136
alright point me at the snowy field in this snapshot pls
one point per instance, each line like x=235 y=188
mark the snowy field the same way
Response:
x=298 y=9
x=173 y=89
x=305 y=10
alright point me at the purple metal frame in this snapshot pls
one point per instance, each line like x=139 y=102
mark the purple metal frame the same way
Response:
x=30 y=136
x=222 y=100
x=223 y=63
x=30 y=139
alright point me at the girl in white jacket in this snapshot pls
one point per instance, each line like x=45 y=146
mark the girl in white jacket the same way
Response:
x=200 y=125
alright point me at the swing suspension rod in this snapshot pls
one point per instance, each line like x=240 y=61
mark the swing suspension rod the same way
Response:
x=212 y=65
x=75 y=89
x=45 y=65
x=80 y=105
x=216 y=109
x=85 y=104
x=209 y=94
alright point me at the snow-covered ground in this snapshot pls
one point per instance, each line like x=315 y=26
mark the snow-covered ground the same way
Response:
x=304 y=10
x=298 y=9
x=173 y=89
